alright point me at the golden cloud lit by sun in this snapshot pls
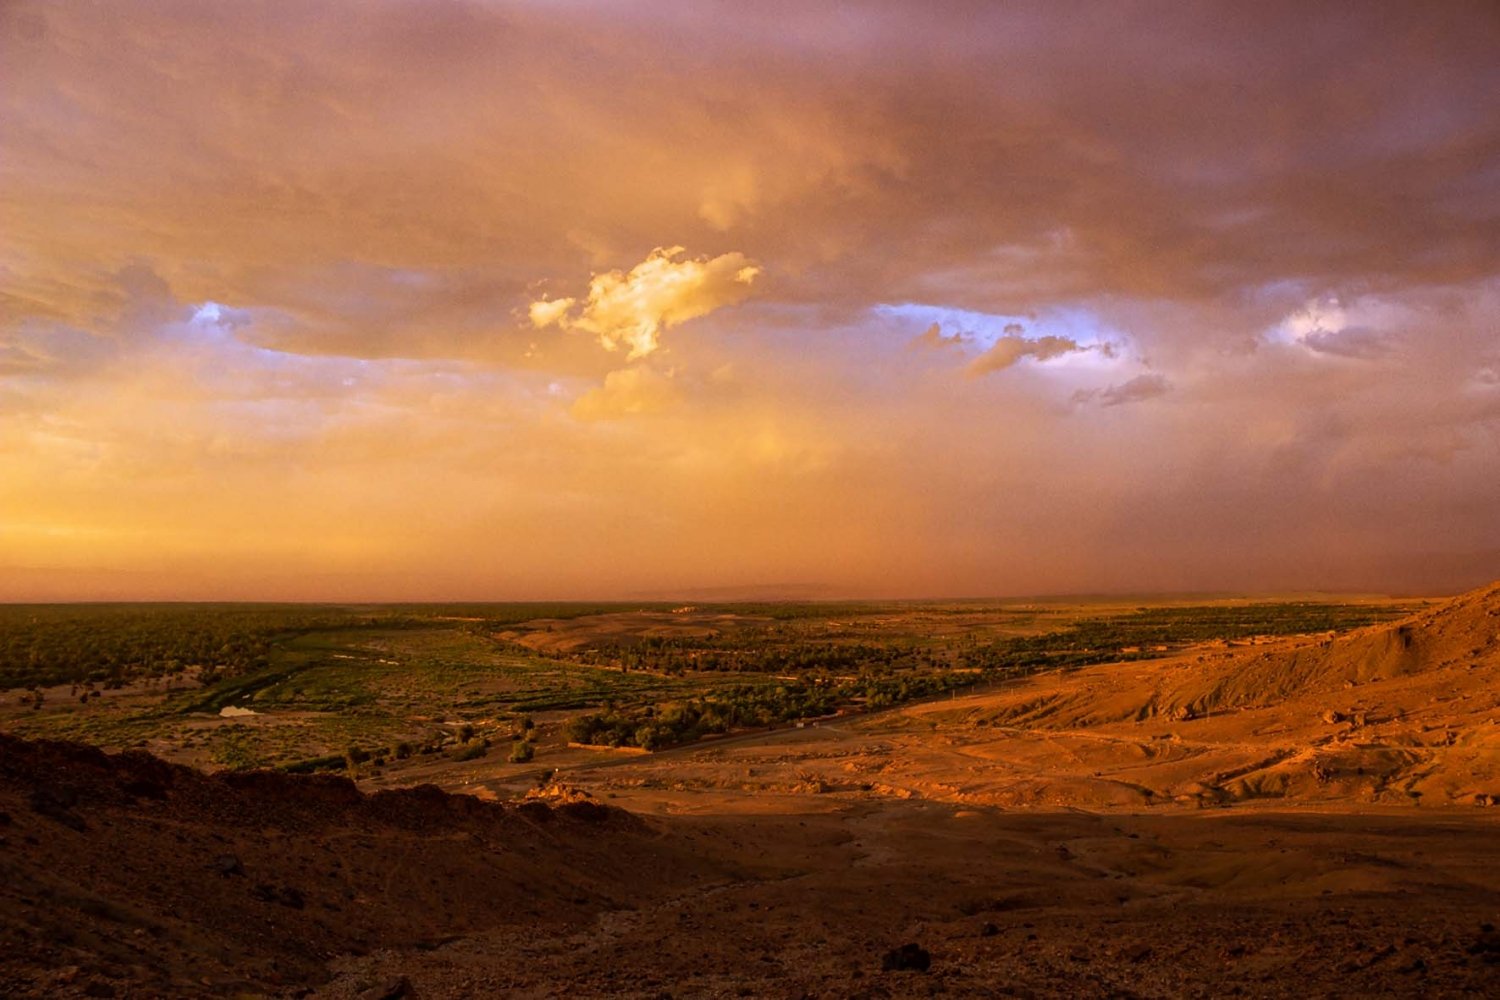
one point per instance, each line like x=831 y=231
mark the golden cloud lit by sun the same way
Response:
x=631 y=309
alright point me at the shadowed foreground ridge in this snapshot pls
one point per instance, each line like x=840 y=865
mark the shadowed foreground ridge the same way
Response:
x=124 y=866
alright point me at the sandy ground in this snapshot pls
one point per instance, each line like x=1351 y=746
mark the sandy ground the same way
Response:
x=1036 y=904
x=124 y=880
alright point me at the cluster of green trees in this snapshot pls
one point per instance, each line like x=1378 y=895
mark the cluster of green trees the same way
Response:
x=356 y=755
x=55 y=645
x=653 y=727
x=110 y=644
x=675 y=656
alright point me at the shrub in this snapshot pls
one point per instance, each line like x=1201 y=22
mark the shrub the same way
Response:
x=330 y=763
x=472 y=750
x=521 y=752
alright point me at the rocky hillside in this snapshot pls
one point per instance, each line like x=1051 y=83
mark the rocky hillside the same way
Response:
x=1462 y=635
x=124 y=875
x=1406 y=713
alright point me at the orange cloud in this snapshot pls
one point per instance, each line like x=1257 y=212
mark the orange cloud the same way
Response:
x=632 y=309
x=627 y=392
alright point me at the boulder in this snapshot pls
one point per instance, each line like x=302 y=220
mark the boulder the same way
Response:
x=907 y=958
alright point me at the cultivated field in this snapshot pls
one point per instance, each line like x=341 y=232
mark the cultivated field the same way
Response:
x=451 y=693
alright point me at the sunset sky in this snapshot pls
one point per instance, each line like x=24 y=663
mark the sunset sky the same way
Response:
x=407 y=299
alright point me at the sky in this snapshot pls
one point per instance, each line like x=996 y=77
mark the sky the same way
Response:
x=430 y=300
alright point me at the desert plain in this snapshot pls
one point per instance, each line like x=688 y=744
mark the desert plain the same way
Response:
x=1272 y=815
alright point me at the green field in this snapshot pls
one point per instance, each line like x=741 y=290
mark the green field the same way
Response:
x=377 y=686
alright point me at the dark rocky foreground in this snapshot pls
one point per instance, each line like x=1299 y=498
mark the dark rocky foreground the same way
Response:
x=124 y=876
